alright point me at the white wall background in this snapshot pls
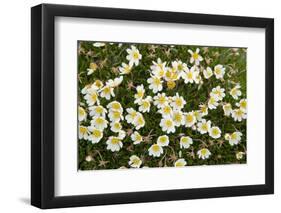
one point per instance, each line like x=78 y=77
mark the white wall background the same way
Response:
x=15 y=105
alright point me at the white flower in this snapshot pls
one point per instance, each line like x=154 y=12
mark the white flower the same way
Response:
x=233 y=138
x=155 y=150
x=97 y=111
x=121 y=134
x=115 y=115
x=88 y=158
x=218 y=93
x=114 y=144
x=219 y=71
x=125 y=69
x=135 y=161
x=178 y=118
x=98 y=44
x=99 y=123
x=93 y=67
x=195 y=57
x=215 y=132
x=139 y=121
x=171 y=75
x=238 y=114
x=140 y=93
x=91 y=97
x=212 y=103
x=235 y=92
x=166 y=111
x=243 y=105
x=240 y=155
x=115 y=127
x=188 y=76
x=167 y=125
x=204 y=153
x=115 y=82
x=190 y=119
x=204 y=126
x=133 y=56
x=198 y=115
x=106 y=92
x=203 y=109
x=178 y=102
x=158 y=68
x=97 y=85
x=163 y=140
x=130 y=117
x=207 y=73
x=96 y=135
x=136 y=137
x=85 y=89
x=180 y=162
x=83 y=132
x=160 y=100
x=115 y=106
x=185 y=142
x=145 y=104
x=179 y=67
x=82 y=115
x=155 y=84
x=227 y=108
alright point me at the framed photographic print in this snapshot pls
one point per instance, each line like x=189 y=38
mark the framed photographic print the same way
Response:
x=140 y=106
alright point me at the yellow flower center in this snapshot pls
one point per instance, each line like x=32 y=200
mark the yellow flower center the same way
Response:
x=81 y=111
x=169 y=123
x=203 y=152
x=189 y=118
x=136 y=55
x=189 y=75
x=96 y=133
x=116 y=106
x=140 y=94
x=195 y=56
x=106 y=90
x=140 y=120
x=138 y=137
x=116 y=114
x=115 y=141
x=136 y=161
x=178 y=117
x=163 y=139
x=99 y=121
x=157 y=81
x=162 y=100
x=243 y=104
x=99 y=110
x=233 y=136
x=204 y=127
x=155 y=148
x=215 y=131
x=166 y=109
x=218 y=71
x=180 y=67
x=146 y=104
x=93 y=66
x=98 y=83
x=94 y=96
x=82 y=129
x=178 y=102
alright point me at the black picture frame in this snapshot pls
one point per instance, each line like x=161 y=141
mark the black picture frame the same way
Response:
x=43 y=102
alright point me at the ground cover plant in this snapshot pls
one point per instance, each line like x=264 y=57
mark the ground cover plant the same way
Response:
x=156 y=105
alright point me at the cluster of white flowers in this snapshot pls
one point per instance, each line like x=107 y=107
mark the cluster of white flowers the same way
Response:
x=170 y=108
x=99 y=114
